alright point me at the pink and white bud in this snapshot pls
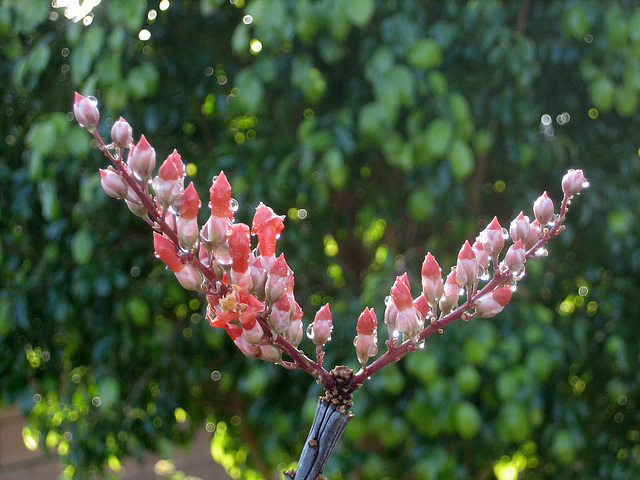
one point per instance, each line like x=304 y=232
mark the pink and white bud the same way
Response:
x=543 y=209
x=320 y=331
x=401 y=293
x=295 y=331
x=466 y=266
x=113 y=184
x=122 y=134
x=169 y=183
x=236 y=334
x=271 y=353
x=573 y=182
x=422 y=306
x=519 y=228
x=187 y=231
x=142 y=159
x=279 y=280
x=449 y=299
x=390 y=315
x=515 y=257
x=281 y=314
x=258 y=276
x=367 y=337
x=214 y=232
x=432 y=284
x=535 y=234
x=482 y=256
x=492 y=303
x=136 y=207
x=253 y=334
x=267 y=225
x=239 y=247
x=86 y=111
x=493 y=238
x=189 y=278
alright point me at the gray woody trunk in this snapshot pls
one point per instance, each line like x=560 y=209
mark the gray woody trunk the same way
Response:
x=332 y=416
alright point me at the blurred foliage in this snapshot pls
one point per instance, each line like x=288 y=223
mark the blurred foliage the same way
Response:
x=383 y=129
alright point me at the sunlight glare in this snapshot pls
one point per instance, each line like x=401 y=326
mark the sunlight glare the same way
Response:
x=76 y=10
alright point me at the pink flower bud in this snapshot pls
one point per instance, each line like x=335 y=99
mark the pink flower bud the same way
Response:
x=320 y=332
x=187 y=231
x=422 y=306
x=401 y=293
x=534 y=234
x=432 y=284
x=189 y=203
x=142 y=159
x=519 y=228
x=113 y=184
x=215 y=231
x=239 y=246
x=86 y=111
x=281 y=314
x=451 y=293
x=482 y=256
x=166 y=251
x=220 y=196
x=271 y=353
x=367 y=337
x=189 y=278
x=573 y=182
x=493 y=238
x=492 y=303
x=236 y=334
x=169 y=184
x=121 y=134
x=467 y=265
x=267 y=225
x=258 y=275
x=136 y=207
x=367 y=322
x=515 y=257
x=294 y=332
x=279 y=279
x=253 y=333
x=543 y=209
x=390 y=315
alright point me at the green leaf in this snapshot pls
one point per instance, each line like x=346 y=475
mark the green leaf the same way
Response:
x=360 y=12
x=39 y=57
x=251 y=91
x=337 y=171
x=49 y=200
x=82 y=246
x=424 y=53
x=142 y=80
x=108 y=392
x=601 y=92
x=138 y=311
x=466 y=419
x=437 y=137
x=421 y=204
x=461 y=160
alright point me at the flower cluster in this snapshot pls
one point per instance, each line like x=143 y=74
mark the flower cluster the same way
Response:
x=250 y=291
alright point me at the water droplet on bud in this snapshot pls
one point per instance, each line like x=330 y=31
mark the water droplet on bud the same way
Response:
x=541 y=252
x=388 y=300
x=233 y=205
x=310 y=331
x=505 y=233
x=519 y=275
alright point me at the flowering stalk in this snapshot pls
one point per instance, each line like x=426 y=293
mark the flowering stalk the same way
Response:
x=250 y=292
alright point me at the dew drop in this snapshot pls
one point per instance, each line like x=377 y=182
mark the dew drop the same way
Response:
x=586 y=184
x=395 y=333
x=519 y=275
x=233 y=205
x=470 y=313
x=310 y=331
x=174 y=209
x=388 y=301
x=483 y=273
x=541 y=252
x=137 y=177
x=421 y=344
x=93 y=100
x=505 y=233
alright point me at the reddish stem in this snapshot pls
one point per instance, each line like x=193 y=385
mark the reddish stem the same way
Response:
x=396 y=352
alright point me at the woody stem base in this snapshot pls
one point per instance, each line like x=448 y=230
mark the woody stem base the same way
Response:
x=331 y=418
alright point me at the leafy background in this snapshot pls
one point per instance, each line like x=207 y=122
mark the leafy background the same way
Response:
x=383 y=129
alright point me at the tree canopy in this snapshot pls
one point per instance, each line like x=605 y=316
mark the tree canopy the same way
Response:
x=383 y=129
